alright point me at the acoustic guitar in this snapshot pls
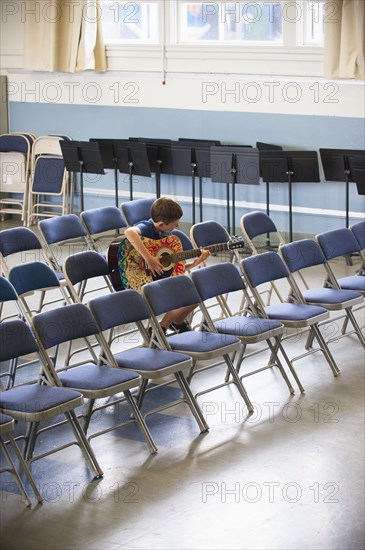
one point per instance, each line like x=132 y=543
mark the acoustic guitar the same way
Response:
x=129 y=270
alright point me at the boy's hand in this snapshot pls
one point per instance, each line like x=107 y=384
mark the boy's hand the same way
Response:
x=154 y=266
x=204 y=255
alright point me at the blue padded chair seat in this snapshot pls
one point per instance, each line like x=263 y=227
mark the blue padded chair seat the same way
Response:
x=294 y=312
x=35 y=398
x=147 y=359
x=95 y=377
x=329 y=295
x=246 y=326
x=353 y=282
x=200 y=342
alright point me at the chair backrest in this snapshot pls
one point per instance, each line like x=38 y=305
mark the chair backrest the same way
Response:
x=85 y=265
x=216 y=280
x=185 y=241
x=208 y=233
x=7 y=291
x=358 y=230
x=16 y=340
x=264 y=268
x=119 y=308
x=49 y=176
x=171 y=293
x=101 y=220
x=339 y=242
x=18 y=240
x=256 y=223
x=14 y=143
x=64 y=324
x=27 y=278
x=62 y=228
x=301 y=254
x=137 y=210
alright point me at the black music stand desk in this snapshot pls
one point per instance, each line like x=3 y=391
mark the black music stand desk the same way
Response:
x=83 y=157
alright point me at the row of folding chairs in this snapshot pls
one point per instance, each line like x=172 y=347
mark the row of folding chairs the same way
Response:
x=34 y=181
x=178 y=291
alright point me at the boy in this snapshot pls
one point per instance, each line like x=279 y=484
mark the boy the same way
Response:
x=165 y=216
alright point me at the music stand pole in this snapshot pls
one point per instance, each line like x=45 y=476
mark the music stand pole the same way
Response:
x=347 y=181
x=158 y=178
x=130 y=164
x=193 y=167
x=289 y=174
x=200 y=198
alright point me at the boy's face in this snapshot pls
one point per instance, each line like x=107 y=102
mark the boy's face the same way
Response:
x=166 y=228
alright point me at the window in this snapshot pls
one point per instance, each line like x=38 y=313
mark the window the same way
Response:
x=130 y=21
x=247 y=22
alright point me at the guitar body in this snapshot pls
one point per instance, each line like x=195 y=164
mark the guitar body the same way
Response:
x=128 y=269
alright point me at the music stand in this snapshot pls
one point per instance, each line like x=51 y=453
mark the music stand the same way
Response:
x=291 y=167
x=201 y=158
x=83 y=157
x=110 y=161
x=154 y=157
x=133 y=160
x=267 y=147
x=177 y=159
x=233 y=164
x=346 y=165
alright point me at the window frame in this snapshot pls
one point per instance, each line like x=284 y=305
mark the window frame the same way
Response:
x=292 y=57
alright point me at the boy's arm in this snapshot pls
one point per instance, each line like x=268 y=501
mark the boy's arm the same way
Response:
x=203 y=256
x=133 y=234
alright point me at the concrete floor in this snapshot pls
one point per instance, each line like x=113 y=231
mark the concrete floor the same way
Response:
x=290 y=476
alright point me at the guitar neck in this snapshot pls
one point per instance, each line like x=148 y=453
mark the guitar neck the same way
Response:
x=195 y=252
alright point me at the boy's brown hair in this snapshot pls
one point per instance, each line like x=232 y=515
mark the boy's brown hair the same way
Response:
x=165 y=210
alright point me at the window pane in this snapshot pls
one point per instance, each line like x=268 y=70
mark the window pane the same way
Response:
x=314 y=31
x=231 y=21
x=130 y=21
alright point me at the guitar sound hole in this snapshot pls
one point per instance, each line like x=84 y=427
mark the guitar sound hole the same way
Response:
x=165 y=260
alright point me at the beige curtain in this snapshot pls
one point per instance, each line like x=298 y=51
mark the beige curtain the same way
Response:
x=64 y=36
x=344 y=39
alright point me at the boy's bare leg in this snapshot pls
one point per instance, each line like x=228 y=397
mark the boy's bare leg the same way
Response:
x=177 y=316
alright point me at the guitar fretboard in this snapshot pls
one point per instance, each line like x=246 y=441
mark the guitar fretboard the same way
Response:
x=195 y=252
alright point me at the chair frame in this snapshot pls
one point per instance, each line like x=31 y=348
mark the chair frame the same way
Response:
x=226 y=277
x=187 y=295
x=136 y=314
x=78 y=323
x=307 y=322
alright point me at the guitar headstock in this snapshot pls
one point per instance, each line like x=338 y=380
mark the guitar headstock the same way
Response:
x=238 y=242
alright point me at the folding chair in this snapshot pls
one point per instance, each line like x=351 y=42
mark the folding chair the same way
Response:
x=216 y=281
x=335 y=244
x=9 y=297
x=29 y=279
x=176 y=292
x=7 y=428
x=15 y=162
x=137 y=210
x=82 y=271
x=358 y=230
x=120 y=312
x=50 y=179
x=62 y=230
x=210 y=234
x=185 y=241
x=39 y=402
x=69 y=324
x=101 y=222
x=257 y=224
x=263 y=268
x=306 y=253
x=19 y=246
